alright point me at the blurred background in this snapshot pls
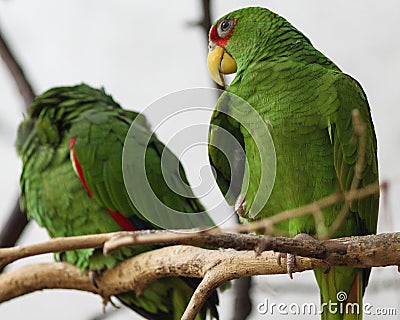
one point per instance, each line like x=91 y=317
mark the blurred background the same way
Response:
x=142 y=50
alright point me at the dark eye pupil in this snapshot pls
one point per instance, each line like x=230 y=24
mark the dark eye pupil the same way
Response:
x=225 y=25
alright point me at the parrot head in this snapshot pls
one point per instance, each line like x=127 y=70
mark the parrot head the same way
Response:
x=245 y=36
x=219 y=61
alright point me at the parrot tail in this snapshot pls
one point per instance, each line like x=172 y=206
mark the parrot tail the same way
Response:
x=342 y=290
x=353 y=307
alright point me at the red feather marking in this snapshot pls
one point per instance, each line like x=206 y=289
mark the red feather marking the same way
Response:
x=78 y=166
x=122 y=221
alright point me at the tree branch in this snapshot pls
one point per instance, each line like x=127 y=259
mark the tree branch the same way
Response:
x=16 y=221
x=16 y=71
x=212 y=238
x=206 y=21
x=13 y=228
x=365 y=251
x=8 y=255
x=136 y=273
x=215 y=267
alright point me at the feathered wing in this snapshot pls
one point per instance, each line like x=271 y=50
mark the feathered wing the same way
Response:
x=363 y=212
x=98 y=148
x=99 y=152
x=346 y=149
x=226 y=150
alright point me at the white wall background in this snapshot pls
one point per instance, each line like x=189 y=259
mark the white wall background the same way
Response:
x=141 y=50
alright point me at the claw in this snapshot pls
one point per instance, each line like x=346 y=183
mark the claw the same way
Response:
x=290 y=262
x=291 y=258
x=92 y=276
x=280 y=256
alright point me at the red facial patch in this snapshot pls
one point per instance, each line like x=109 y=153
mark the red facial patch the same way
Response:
x=214 y=37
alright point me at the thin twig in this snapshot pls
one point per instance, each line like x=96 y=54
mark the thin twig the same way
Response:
x=206 y=21
x=8 y=255
x=23 y=84
x=359 y=132
x=205 y=24
x=264 y=225
x=13 y=227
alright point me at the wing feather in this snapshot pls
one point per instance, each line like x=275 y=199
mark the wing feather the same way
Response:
x=346 y=147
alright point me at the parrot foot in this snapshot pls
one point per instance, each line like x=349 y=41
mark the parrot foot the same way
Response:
x=93 y=274
x=114 y=304
x=290 y=262
x=291 y=258
x=240 y=205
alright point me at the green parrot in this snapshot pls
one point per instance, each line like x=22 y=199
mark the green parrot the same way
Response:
x=306 y=102
x=71 y=145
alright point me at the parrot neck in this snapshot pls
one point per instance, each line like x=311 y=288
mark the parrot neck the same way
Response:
x=285 y=43
x=290 y=48
x=284 y=47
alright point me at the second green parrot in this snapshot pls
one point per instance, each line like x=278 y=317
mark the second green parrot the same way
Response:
x=306 y=102
x=71 y=145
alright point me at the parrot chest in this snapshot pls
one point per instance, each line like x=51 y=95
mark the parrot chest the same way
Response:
x=297 y=117
x=304 y=174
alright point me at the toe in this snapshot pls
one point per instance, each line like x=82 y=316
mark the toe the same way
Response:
x=290 y=264
x=92 y=276
x=280 y=256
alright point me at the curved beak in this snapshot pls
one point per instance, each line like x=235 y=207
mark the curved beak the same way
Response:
x=219 y=62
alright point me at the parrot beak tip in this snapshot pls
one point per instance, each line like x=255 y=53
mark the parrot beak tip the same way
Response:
x=219 y=63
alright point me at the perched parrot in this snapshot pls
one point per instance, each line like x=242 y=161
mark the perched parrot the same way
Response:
x=306 y=102
x=71 y=144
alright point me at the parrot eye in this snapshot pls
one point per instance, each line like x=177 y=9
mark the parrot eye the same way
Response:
x=224 y=27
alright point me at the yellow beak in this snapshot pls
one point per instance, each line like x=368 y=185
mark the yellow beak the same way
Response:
x=219 y=63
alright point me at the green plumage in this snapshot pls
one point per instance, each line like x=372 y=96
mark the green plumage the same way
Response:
x=54 y=196
x=307 y=104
